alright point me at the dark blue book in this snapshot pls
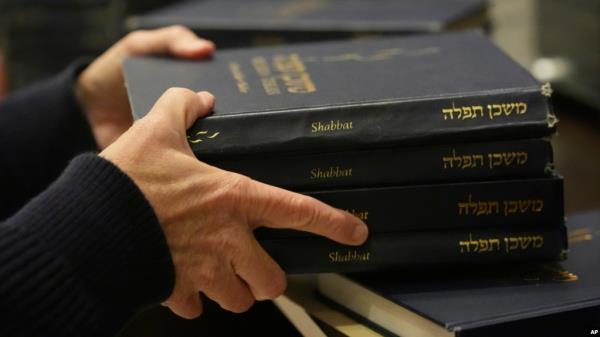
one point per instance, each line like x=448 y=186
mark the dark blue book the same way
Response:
x=350 y=95
x=243 y=23
x=462 y=162
x=501 y=300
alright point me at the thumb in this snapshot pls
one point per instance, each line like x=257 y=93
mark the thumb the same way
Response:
x=180 y=108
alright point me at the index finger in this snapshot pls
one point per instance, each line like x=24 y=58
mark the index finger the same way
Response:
x=278 y=208
x=174 y=40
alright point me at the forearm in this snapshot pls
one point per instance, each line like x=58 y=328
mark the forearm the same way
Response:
x=81 y=257
x=41 y=129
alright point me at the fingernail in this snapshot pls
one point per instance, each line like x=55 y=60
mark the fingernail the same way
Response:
x=206 y=96
x=199 y=44
x=360 y=233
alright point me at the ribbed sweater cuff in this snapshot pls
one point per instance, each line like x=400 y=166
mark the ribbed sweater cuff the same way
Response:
x=95 y=219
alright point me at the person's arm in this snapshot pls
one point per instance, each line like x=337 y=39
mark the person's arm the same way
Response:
x=41 y=129
x=82 y=257
x=87 y=253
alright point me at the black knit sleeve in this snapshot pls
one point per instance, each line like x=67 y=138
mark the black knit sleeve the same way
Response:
x=41 y=129
x=82 y=257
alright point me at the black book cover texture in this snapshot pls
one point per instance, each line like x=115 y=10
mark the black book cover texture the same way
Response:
x=523 y=202
x=396 y=166
x=542 y=300
x=389 y=251
x=451 y=87
x=242 y=22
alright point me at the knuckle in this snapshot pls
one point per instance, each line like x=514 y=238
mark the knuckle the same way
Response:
x=207 y=277
x=177 y=92
x=178 y=29
x=304 y=212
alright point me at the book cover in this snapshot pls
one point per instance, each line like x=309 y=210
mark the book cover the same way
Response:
x=398 y=250
x=243 y=23
x=534 y=300
x=451 y=87
x=519 y=202
x=396 y=166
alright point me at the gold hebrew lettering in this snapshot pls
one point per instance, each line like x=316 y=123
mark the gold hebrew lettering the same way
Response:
x=447 y=162
x=510 y=207
x=537 y=205
x=524 y=205
x=496 y=242
x=508 y=157
x=477 y=109
x=482 y=208
x=538 y=241
x=508 y=108
x=466 y=162
x=494 y=110
x=484 y=246
x=522 y=158
x=495 y=159
x=448 y=113
x=467 y=113
x=521 y=108
x=525 y=241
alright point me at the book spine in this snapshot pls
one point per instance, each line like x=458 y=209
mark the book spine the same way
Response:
x=405 y=208
x=386 y=251
x=396 y=166
x=490 y=116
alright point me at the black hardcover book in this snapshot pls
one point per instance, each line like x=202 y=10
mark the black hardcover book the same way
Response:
x=502 y=300
x=523 y=202
x=437 y=88
x=244 y=23
x=389 y=251
x=396 y=166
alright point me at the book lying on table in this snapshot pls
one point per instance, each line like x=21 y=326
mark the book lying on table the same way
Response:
x=350 y=95
x=501 y=300
x=233 y=23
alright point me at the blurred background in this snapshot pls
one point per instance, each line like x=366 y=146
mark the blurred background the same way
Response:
x=558 y=41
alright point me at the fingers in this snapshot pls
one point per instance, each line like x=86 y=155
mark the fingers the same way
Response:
x=182 y=107
x=190 y=307
x=262 y=274
x=174 y=40
x=223 y=286
x=278 y=208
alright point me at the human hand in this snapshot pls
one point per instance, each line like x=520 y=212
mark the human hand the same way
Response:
x=208 y=215
x=100 y=88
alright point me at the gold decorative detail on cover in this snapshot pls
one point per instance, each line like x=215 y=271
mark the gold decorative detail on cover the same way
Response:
x=581 y=234
x=478 y=111
x=201 y=136
x=546 y=89
x=552 y=120
x=377 y=55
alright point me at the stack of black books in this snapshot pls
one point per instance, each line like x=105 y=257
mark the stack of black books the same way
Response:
x=436 y=141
